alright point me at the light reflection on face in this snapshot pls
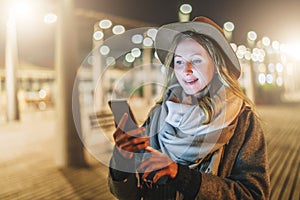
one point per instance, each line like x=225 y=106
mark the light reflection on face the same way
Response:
x=193 y=66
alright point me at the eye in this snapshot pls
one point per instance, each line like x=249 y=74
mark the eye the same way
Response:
x=196 y=61
x=179 y=63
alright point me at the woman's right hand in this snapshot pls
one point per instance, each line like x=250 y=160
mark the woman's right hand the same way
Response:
x=131 y=141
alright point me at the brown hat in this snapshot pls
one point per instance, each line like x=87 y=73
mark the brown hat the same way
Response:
x=201 y=25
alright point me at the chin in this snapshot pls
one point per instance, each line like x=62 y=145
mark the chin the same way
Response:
x=193 y=91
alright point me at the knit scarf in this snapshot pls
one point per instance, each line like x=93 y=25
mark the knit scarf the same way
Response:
x=182 y=133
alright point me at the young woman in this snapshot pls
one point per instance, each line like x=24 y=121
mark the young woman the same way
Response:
x=203 y=139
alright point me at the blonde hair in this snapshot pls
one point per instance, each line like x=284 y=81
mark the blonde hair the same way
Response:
x=226 y=76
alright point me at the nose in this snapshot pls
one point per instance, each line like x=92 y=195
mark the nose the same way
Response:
x=188 y=68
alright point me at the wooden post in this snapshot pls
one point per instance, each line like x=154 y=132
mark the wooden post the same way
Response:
x=97 y=69
x=69 y=146
x=147 y=71
x=11 y=64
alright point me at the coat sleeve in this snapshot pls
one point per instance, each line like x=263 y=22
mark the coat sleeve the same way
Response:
x=122 y=181
x=249 y=177
x=122 y=184
x=126 y=189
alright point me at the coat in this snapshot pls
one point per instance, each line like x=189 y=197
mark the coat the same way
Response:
x=243 y=171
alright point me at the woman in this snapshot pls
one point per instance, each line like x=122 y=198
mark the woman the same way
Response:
x=203 y=140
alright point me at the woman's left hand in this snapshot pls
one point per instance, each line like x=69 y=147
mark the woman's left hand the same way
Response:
x=158 y=162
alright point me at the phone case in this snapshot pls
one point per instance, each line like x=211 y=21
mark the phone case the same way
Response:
x=118 y=108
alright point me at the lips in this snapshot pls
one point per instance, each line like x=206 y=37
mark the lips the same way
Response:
x=192 y=81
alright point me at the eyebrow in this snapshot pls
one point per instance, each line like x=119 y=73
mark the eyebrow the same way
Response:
x=195 y=54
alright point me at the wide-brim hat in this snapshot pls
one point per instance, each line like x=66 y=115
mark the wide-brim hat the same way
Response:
x=166 y=35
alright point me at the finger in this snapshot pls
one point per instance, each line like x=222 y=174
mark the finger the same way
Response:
x=153 y=151
x=147 y=172
x=145 y=175
x=125 y=154
x=139 y=147
x=129 y=141
x=150 y=164
x=160 y=173
x=119 y=134
x=156 y=163
x=170 y=171
x=142 y=146
x=133 y=147
x=119 y=137
x=136 y=141
x=136 y=132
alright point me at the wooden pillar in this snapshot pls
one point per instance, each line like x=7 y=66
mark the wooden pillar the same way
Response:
x=11 y=64
x=97 y=70
x=69 y=146
x=147 y=71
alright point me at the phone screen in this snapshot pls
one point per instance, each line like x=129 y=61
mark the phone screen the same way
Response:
x=118 y=108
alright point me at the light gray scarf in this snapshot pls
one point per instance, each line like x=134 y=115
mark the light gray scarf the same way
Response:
x=184 y=137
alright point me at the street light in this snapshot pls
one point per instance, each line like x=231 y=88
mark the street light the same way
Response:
x=50 y=18
x=98 y=35
x=20 y=9
x=228 y=28
x=147 y=42
x=151 y=32
x=137 y=39
x=184 y=12
x=251 y=38
x=118 y=29
x=105 y=24
x=266 y=41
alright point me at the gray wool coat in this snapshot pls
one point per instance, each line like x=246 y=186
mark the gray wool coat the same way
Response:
x=243 y=171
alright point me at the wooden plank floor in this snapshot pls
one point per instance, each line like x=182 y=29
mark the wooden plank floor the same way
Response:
x=282 y=129
x=28 y=171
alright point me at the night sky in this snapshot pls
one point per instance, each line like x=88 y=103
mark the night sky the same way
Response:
x=280 y=20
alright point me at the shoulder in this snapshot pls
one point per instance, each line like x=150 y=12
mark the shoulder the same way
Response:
x=249 y=129
x=247 y=119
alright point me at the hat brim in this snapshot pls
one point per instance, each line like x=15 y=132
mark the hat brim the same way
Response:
x=167 y=33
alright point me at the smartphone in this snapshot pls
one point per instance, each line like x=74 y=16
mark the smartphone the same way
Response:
x=118 y=108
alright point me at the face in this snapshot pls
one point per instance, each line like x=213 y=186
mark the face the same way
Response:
x=193 y=66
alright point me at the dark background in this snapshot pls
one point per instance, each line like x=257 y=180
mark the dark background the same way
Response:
x=276 y=19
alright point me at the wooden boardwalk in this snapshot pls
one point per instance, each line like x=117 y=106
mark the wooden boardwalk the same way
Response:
x=27 y=168
x=282 y=129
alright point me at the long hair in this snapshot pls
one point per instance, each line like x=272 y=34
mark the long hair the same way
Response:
x=228 y=79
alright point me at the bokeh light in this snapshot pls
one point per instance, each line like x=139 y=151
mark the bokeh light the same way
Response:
x=185 y=8
x=229 y=26
x=105 y=24
x=50 y=18
x=118 y=29
x=137 y=39
x=98 y=35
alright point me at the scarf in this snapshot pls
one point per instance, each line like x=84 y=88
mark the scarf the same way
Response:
x=182 y=133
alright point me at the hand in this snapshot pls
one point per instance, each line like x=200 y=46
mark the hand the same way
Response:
x=129 y=142
x=158 y=162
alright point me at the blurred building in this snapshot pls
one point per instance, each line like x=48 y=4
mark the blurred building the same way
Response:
x=135 y=72
x=35 y=87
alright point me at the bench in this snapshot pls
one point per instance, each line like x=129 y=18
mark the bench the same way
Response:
x=102 y=119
